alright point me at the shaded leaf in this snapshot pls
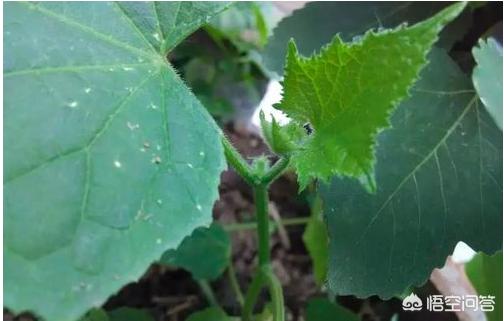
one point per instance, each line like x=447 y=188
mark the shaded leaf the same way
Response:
x=439 y=178
x=316 y=24
x=347 y=92
x=109 y=158
x=324 y=310
x=95 y=315
x=210 y=314
x=487 y=77
x=129 y=314
x=485 y=273
x=205 y=253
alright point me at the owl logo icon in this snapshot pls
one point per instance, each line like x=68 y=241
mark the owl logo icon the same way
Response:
x=412 y=303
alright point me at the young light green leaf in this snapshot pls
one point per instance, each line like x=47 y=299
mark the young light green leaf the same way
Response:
x=487 y=77
x=315 y=24
x=109 y=158
x=324 y=310
x=439 y=178
x=485 y=273
x=348 y=91
x=212 y=244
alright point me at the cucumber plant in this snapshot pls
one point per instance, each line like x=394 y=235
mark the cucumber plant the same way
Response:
x=111 y=161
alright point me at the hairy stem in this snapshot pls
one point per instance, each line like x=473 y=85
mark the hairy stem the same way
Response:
x=238 y=163
x=275 y=171
x=259 y=180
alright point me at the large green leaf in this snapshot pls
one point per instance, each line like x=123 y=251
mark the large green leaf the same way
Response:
x=439 y=178
x=109 y=158
x=347 y=92
x=316 y=24
x=212 y=244
x=485 y=273
x=487 y=77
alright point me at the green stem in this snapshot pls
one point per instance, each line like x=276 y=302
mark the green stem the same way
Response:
x=261 y=203
x=236 y=227
x=264 y=277
x=276 y=293
x=275 y=171
x=208 y=292
x=238 y=163
x=234 y=283
x=252 y=294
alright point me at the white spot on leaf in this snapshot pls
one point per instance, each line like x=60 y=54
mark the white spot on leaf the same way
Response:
x=132 y=126
x=73 y=104
x=117 y=164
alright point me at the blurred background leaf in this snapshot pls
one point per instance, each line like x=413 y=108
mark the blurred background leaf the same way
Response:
x=487 y=76
x=485 y=273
